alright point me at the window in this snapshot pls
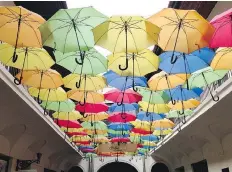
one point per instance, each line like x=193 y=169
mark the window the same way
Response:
x=200 y=166
x=180 y=169
x=4 y=160
x=225 y=170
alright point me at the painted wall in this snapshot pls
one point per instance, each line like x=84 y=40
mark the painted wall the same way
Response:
x=220 y=7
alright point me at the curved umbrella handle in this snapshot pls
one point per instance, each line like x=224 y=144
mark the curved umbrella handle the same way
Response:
x=179 y=128
x=14 y=57
x=216 y=99
x=18 y=81
x=173 y=101
x=135 y=88
x=182 y=113
x=126 y=67
x=120 y=104
x=184 y=120
x=80 y=63
x=39 y=101
x=85 y=115
x=78 y=84
x=46 y=113
x=173 y=59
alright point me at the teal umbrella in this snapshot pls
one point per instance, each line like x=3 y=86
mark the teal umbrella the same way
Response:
x=59 y=106
x=70 y=30
x=93 y=62
x=205 y=77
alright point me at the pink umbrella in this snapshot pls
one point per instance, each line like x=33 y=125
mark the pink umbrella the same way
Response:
x=120 y=139
x=118 y=96
x=86 y=150
x=121 y=117
x=92 y=108
x=68 y=123
x=223 y=30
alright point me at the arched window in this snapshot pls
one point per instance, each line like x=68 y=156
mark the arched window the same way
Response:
x=158 y=167
x=117 y=167
x=75 y=169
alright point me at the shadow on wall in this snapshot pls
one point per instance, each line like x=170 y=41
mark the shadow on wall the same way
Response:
x=159 y=167
x=117 y=167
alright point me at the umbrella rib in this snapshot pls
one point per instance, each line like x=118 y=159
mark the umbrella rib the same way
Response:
x=8 y=15
x=122 y=29
x=83 y=38
x=129 y=29
x=12 y=12
x=65 y=40
x=185 y=36
x=8 y=23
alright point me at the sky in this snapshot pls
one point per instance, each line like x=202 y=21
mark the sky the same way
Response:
x=144 y=8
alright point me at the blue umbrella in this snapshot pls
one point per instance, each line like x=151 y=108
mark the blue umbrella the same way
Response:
x=150 y=117
x=150 y=137
x=119 y=135
x=205 y=54
x=149 y=147
x=120 y=126
x=184 y=94
x=124 y=82
x=86 y=147
x=124 y=107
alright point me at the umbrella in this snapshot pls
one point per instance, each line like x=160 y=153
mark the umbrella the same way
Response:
x=177 y=114
x=120 y=126
x=163 y=124
x=162 y=132
x=222 y=36
x=149 y=143
x=121 y=117
x=182 y=30
x=40 y=79
x=150 y=138
x=74 y=131
x=28 y=58
x=156 y=108
x=69 y=30
x=139 y=64
x=99 y=125
x=135 y=139
x=124 y=107
x=222 y=59
x=93 y=131
x=92 y=108
x=92 y=117
x=67 y=123
x=73 y=115
x=159 y=97
x=182 y=105
x=120 y=140
x=120 y=97
x=142 y=130
x=140 y=125
x=123 y=83
x=115 y=132
x=60 y=106
x=80 y=138
x=100 y=139
x=83 y=97
x=90 y=155
x=150 y=117
x=91 y=83
x=93 y=62
x=121 y=135
x=19 y=27
x=205 y=54
x=205 y=77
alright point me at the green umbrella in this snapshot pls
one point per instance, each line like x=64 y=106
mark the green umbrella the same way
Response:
x=93 y=62
x=70 y=30
x=177 y=114
x=59 y=106
x=205 y=77
x=90 y=155
x=154 y=97
x=136 y=139
x=118 y=132
x=98 y=125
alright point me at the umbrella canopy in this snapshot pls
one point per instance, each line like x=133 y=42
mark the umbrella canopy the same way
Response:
x=162 y=132
x=182 y=30
x=74 y=115
x=57 y=94
x=150 y=138
x=69 y=30
x=144 y=125
x=142 y=130
x=120 y=126
x=177 y=114
x=84 y=82
x=100 y=139
x=121 y=117
x=60 y=106
x=181 y=105
x=74 y=131
x=92 y=108
x=120 y=139
x=222 y=36
x=123 y=108
x=80 y=138
x=139 y=64
x=40 y=79
x=115 y=132
x=164 y=81
x=222 y=59
x=159 y=97
x=156 y=108
x=127 y=96
x=85 y=96
x=92 y=62
x=205 y=54
x=93 y=117
x=123 y=83
x=93 y=131
x=144 y=116
x=90 y=155
x=163 y=123
x=18 y=24
x=67 y=123
x=99 y=125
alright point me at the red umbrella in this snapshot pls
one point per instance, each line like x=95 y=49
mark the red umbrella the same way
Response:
x=127 y=96
x=86 y=150
x=120 y=139
x=92 y=108
x=121 y=117
x=68 y=123
x=140 y=131
x=139 y=145
x=76 y=134
x=82 y=142
x=223 y=30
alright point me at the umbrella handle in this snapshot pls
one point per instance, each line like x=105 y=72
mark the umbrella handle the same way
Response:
x=173 y=101
x=18 y=81
x=119 y=103
x=14 y=57
x=81 y=104
x=78 y=84
x=216 y=99
x=38 y=100
x=173 y=60
x=80 y=63
x=46 y=113
x=179 y=128
x=182 y=113
x=126 y=67
x=135 y=88
x=184 y=120
x=85 y=115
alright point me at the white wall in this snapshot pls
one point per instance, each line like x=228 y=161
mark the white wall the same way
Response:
x=7 y=3
x=220 y=7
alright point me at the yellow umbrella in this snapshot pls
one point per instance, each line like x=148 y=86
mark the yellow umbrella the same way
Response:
x=90 y=83
x=40 y=79
x=80 y=138
x=85 y=96
x=139 y=64
x=96 y=132
x=72 y=130
x=222 y=59
x=156 y=108
x=145 y=125
x=182 y=105
x=164 y=81
x=147 y=143
x=100 y=139
x=74 y=115
x=92 y=117
x=162 y=132
x=163 y=123
x=19 y=27
x=182 y=30
x=57 y=94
